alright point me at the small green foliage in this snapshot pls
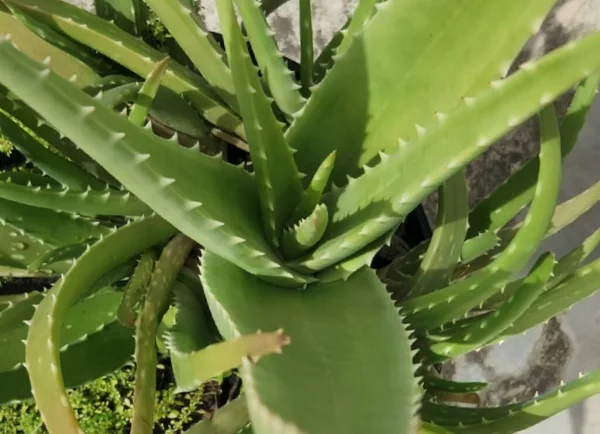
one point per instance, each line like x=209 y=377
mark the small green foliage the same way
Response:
x=105 y=405
x=5 y=146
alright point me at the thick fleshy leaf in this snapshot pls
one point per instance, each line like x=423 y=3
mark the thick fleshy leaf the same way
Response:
x=360 y=108
x=509 y=198
x=82 y=320
x=145 y=98
x=136 y=288
x=278 y=77
x=156 y=304
x=444 y=251
x=511 y=418
x=44 y=337
x=193 y=369
x=379 y=200
x=127 y=14
x=130 y=52
x=36 y=48
x=329 y=351
x=277 y=176
x=223 y=216
x=481 y=332
x=100 y=354
x=434 y=309
x=198 y=44
x=57 y=167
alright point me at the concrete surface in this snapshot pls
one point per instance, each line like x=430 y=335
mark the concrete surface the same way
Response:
x=568 y=344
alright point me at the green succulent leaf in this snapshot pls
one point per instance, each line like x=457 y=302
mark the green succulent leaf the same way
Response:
x=278 y=77
x=444 y=250
x=515 y=417
x=434 y=309
x=193 y=329
x=223 y=216
x=508 y=199
x=139 y=111
x=198 y=44
x=62 y=170
x=88 y=201
x=41 y=225
x=484 y=330
x=115 y=97
x=99 y=354
x=12 y=317
x=306 y=46
x=44 y=337
x=365 y=120
x=39 y=127
x=580 y=284
x=305 y=234
x=158 y=297
x=314 y=192
x=569 y=262
x=83 y=319
x=379 y=200
x=136 y=288
x=64 y=253
x=564 y=215
x=193 y=369
x=277 y=176
x=564 y=268
x=378 y=341
x=63 y=64
x=130 y=52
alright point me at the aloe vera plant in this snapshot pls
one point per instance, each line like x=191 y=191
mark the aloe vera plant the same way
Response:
x=284 y=241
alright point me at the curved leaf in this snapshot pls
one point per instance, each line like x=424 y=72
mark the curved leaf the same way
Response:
x=509 y=198
x=306 y=233
x=443 y=253
x=43 y=340
x=355 y=109
x=330 y=352
x=434 y=309
x=36 y=48
x=221 y=215
x=277 y=176
x=130 y=52
x=278 y=77
x=379 y=200
x=198 y=44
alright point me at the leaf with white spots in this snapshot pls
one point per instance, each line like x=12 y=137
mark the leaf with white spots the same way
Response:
x=156 y=304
